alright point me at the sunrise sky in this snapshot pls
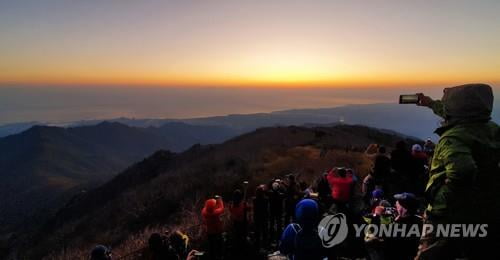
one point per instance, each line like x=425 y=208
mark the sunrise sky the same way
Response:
x=249 y=43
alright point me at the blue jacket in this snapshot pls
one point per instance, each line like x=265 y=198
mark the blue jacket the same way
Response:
x=300 y=240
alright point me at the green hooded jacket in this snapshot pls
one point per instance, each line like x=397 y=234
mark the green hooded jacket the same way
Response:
x=465 y=173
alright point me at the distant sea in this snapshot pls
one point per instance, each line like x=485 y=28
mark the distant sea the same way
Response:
x=71 y=103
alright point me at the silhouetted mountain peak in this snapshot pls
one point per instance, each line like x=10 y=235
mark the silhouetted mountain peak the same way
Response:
x=108 y=124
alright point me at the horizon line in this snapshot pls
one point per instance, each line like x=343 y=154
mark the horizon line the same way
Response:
x=274 y=85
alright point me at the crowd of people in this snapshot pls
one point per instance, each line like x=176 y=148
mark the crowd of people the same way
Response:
x=281 y=220
x=282 y=215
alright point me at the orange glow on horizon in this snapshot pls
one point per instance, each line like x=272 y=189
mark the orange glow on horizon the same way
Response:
x=278 y=81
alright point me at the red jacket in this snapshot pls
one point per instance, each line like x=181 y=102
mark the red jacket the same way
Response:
x=341 y=186
x=211 y=216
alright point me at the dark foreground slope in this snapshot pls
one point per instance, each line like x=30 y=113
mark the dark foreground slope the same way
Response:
x=166 y=187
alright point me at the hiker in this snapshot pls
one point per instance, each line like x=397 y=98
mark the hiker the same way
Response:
x=404 y=248
x=465 y=173
x=100 y=252
x=261 y=216
x=367 y=187
x=381 y=164
x=401 y=163
x=300 y=240
x=417 y=152
x=375 y=245
x=211 y=214
x=324 y=193
x=239 y=218
x=276 y=197
x=376 y=197
x=341 y=186
x=429 y=147
x=419 y=174
x=292 y=196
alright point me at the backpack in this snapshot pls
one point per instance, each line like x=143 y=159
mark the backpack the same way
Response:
x=341 y=188
x=307 y=244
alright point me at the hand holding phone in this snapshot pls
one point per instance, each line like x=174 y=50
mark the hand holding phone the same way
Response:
x=409 y=99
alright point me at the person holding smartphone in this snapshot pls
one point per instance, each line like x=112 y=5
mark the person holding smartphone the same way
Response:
x=211 y=213
x=465 y=173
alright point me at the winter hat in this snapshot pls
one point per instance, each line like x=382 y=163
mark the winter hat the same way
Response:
x=275 y=185
x=307 y=212
x=377 y=194
x=416 y=148
x=407 y=200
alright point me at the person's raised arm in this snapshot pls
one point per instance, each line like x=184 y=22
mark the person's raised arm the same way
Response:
x=436 y=105
x=219 y=206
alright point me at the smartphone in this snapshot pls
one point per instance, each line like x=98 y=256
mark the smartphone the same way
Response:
x=408 y=99
x=199 y=254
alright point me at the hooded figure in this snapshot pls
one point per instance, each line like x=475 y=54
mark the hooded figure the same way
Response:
x=465 y=165
x=301 y=240
x=465 y=173
x=276 y=197
x=211 y=215
x=469 y=103
x=307 y=214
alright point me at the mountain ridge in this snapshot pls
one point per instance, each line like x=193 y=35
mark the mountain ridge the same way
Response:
x=43 y=163
x=156 y=190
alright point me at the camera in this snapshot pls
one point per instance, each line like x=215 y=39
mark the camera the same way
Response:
x=409 y=99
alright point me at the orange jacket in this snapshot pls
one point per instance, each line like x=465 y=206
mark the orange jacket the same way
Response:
x=211 y=216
